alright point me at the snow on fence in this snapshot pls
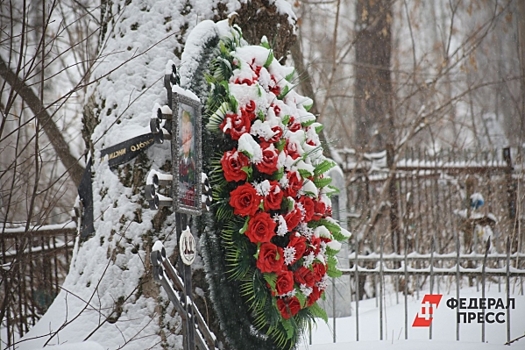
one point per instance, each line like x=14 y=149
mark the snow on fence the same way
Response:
x=35 y=261
x=410 y=274
x=423 y=220
x=425 y=194
x=421 y=202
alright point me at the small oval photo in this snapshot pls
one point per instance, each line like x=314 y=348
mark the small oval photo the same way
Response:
x=187 y=247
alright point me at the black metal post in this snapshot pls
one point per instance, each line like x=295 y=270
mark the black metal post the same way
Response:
x=185 y=271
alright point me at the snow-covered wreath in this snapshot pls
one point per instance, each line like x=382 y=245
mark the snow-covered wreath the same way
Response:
x=271 y=191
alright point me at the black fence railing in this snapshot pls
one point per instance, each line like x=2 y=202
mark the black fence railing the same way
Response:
x=34 y=265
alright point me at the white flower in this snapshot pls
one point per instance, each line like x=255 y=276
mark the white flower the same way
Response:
x=323 y=283
x=289 y=255
x=289 y=294
x=262 y=188
x=305 y=290
x=309 y=259
x=306 y=231
x=282 y=228
x=323 y=249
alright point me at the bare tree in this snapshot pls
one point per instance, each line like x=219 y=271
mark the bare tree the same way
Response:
x=40 y=90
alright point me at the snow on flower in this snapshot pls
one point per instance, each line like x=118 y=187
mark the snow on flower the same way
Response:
x=322 y=231
x=308 y=188
x=251 y=148
x=334 y=245
x=262 y=118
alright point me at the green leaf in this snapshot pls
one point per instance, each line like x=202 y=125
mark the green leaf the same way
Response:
x=333 y=227
x=308 y=107
x=320 y=183
x=286 y=119
x=308 y=123
x=289 y=204
x=217 y=117
x=323 y=167
x=269 y=59
x=248 y=170
x=265 y=44
x=288 y=326
x=332 y=270
x=334 y=190
x=279 y=174
x=245 y=226
x=284 y=92
x=290 y=76
x=271 y=279
x=233 y=103
x=338 y=236
x=280 y=144
x=318 y=311
x=304 y=173
x=300 y=296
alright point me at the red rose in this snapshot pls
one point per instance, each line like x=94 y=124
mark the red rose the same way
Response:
x=250 y=106
x=275 y=88
x=270 y=258
x=278 y=134
x=314 y=296
x=245 y=200
x=293 y=219
x=276 y=110
x=232 y=163
x=288 y=307
x=293 y=124
x=243 y=81
x=268 y=164
x=304 y=275
x=328 y=212
x=256 y=69
x=261 y=228
x=235 y=125
x=308 y=205
x=315 y=245
x=295 y=183
x=273 y=199
x=292 y=150
x=250 y=115
x=299 y=243
x=284 y=282
x=319 y=210
x=319 y=271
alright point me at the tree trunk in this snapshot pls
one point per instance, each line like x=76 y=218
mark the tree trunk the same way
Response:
x=373 y=86
x=110 y=286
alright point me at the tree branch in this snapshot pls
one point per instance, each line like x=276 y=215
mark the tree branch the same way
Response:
x=74 y=169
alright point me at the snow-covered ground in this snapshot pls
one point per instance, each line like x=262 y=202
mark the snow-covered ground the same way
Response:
x=443 y=327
